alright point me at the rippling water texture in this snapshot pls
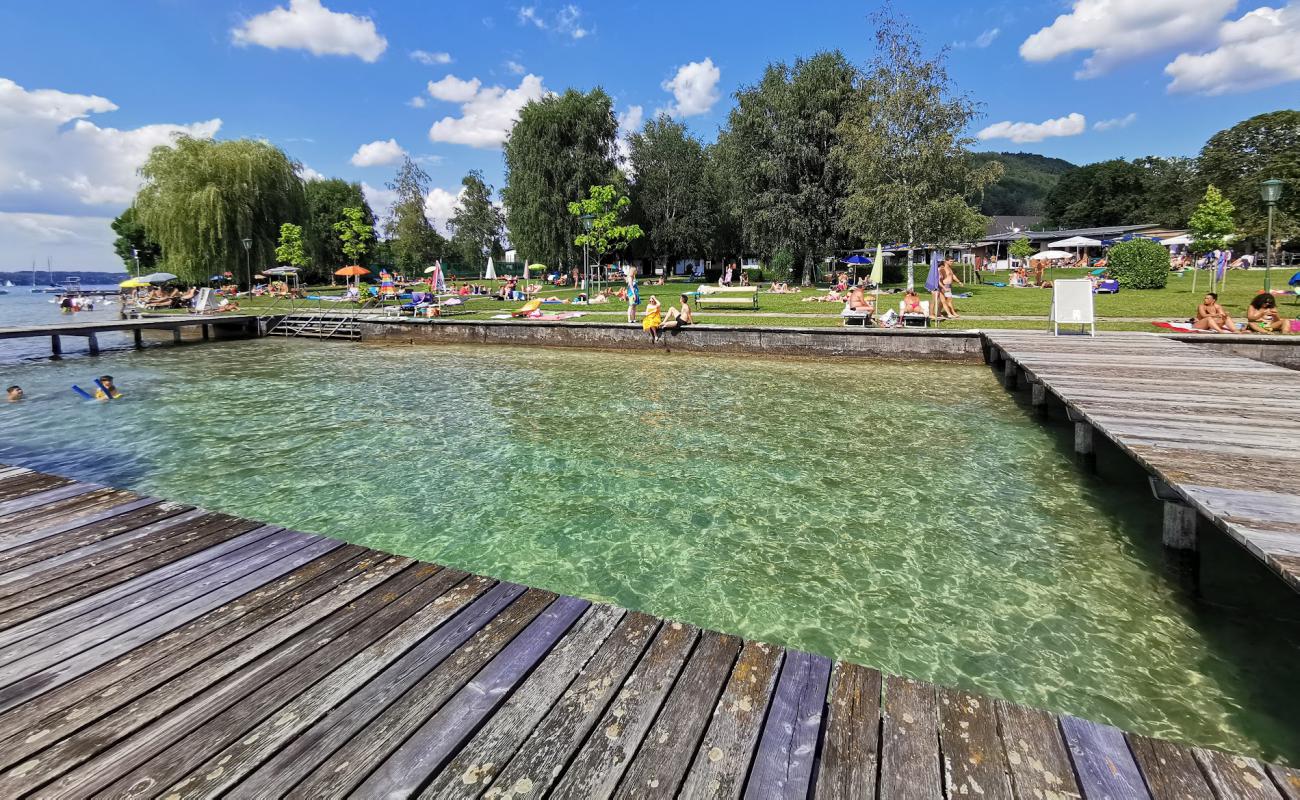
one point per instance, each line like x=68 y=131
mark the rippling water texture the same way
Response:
x=906 y=516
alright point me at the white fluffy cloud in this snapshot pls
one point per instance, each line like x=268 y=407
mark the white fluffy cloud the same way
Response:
x=417 y=102
x=1118 y=30
x=308 y=174
x=1256 y=51
x=1020 y=132
x=694 y=87
x=71 y=242
x=983 y=40
x=566 y=21
x=488 y=114
x=55 y=160
x=308 y=25
x=430 y=59
x=378 y=153
x=454 y=90
x=515 y=68
x=1118 y=122
x=629 y=122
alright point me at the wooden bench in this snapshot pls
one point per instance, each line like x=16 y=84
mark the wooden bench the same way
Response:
x=727 y=295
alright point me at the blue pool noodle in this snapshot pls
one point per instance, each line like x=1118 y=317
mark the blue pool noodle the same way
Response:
x=107 y=393
x=81 y=392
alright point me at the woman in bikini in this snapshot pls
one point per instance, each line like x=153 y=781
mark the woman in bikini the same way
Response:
x=1262 y=316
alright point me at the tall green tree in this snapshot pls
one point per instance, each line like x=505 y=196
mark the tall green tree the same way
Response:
x=605 y=208
x=782 y=182
x=355 y=235
x=911 y=176
x=476 y=224
x=1104 y=193
x=671 y=188
x=1212 y=223
x=291 y=251
x=201 y=197
x=1170 y=188
x=414 y=242
x=1242 y=157
x=326 y=201
x=133 y=243
x=561 y=146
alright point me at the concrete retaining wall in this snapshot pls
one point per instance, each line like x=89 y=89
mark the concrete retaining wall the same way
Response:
x=869 y=343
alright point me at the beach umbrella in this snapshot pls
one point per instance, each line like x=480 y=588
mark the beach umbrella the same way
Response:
x=1174 y=241
x=1050 y=254
x=491 y=273
x=133 y=283
x=1076 y=241
x=932 y=279
x=352 y=271
x=158 y=277
x=856 y=259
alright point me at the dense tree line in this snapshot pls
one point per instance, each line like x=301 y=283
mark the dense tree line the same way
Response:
x=1166 y=191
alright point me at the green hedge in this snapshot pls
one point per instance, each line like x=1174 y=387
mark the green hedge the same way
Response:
x=1139 y=264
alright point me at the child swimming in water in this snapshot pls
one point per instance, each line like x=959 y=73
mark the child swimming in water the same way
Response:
x=109 y=391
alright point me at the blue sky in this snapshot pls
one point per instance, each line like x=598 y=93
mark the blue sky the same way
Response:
x=87 y=87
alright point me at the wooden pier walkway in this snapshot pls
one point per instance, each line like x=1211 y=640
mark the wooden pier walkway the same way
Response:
x=150 y=649
x=246 y=324
x=1217 y=431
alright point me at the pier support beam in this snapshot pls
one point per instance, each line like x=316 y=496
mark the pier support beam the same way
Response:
x=56 y=347
x=1083 y=439
x=93 y=342
x=1178 y=535
x=1038 y=397
x=176 y=335
x=1010 y=374
x=139 y=338
x=207 y=333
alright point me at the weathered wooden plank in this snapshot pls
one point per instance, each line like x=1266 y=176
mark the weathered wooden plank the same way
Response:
x=102 y=540
x=289 y=766
x=174 y=652
x=348 y=767
x=973 y=761
x=428 y=748
x=1169 y=769
x=205 y=690
x=248 y=735
x=851 y=742
x=31 y=483
x=57 y=528
x=75 y=633
x=126 y=633
x=72 y=587
x=27 y=513
x=1037 y=758
x=1236 y=776
x=1287 y=780
x=783 y=763
x=1102 y=760
x=80 y=614
x=909 y=747
x=557 y=737
x=722 y=760
x=599 y=763
x=502 y=733
x=660 y=764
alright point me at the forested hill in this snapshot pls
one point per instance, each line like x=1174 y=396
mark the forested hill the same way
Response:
x=1026 y=180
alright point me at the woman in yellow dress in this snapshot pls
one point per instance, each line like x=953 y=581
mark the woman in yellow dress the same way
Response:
x=653 y=319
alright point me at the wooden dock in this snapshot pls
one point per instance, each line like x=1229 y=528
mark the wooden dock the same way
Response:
x=1216 y=431
x=227 y=324
x=150 y=649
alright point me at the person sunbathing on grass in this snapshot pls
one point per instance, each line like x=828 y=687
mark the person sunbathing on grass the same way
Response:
x=830 y=297
x=1210 y=316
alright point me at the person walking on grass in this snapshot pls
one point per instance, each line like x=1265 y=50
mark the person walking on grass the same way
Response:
x=633 y=297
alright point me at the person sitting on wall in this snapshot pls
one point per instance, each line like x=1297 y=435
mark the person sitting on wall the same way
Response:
x=679 y=317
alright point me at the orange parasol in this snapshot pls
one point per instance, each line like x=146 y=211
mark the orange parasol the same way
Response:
x=352 y=270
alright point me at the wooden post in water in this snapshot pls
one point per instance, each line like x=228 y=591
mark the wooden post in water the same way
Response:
x=1010 y=373
x=1038 y=396
x=207 y=334
x=176 y=335
x=138 y=334
x=56 y=347
x=1178 y=535
x=1083 y=439
x=93 y=341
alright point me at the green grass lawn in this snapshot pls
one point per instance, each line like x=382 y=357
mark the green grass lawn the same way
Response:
x=1175 y=301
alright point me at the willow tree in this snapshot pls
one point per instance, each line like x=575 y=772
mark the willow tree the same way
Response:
x=561 y=146
x=911 y=175
x=202 y=197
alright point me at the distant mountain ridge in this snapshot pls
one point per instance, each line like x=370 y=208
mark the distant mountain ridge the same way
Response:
x=88 y=277
x=1026 y=180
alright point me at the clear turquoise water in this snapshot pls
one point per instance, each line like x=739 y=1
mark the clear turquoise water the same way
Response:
x=907 y=516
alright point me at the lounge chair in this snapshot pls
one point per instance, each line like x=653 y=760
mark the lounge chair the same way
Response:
x=849 y=315
x=914 y=320
x=528 y=308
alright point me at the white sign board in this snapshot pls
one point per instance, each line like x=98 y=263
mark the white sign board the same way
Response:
x=1072 y=304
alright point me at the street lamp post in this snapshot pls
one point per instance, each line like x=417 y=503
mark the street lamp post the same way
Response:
x=1270 y=191
x=586 y=264
x=248 y=264
x=135 y=253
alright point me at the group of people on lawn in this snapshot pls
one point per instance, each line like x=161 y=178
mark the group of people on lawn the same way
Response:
x=1262 y=316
